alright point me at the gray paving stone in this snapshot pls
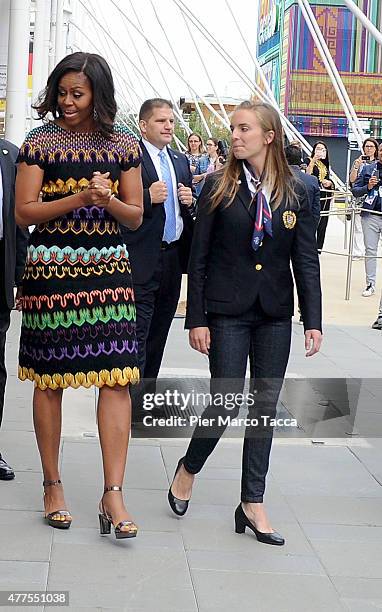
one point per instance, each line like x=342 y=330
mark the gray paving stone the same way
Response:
x=225 y=591
x=344 y=558
x=24 y=536
x=361 y=605
x=23 y=575
x=256 y=560
x=371 y=458
x=215 y=536
x=358 y=588
x=25 y=492
x=343 y=533
x=339 y=510
x=124 y=573
x=20 y=449
x=299 y=471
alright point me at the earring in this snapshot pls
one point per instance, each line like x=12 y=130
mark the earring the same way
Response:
x=95 y=115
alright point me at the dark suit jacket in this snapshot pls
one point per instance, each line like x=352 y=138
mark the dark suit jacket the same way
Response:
x=313 y=189
x=360 y=187
x=226 y=275
x=144 y=243
x=15 y=238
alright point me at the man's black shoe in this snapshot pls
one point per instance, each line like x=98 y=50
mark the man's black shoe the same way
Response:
x=377 y=324
x=6 y=472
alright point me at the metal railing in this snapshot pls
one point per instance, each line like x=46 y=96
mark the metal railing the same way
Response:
x=349 y=211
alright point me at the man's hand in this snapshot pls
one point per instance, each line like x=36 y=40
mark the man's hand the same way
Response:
x=158 y=192
x=18 y=300
x=200 y=339
x=185 y=194
x=313 y=339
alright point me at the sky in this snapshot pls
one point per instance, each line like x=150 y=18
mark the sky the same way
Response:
x=215 y=17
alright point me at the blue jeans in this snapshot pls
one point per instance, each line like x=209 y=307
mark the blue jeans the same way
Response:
x=233 y=339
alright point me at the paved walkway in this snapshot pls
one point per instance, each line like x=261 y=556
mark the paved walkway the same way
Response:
x=324 y=495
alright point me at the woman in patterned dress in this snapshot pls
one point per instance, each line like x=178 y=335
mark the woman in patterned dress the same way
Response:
x=78 y=326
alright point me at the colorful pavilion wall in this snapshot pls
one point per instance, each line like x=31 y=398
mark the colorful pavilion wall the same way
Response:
x=304 y=89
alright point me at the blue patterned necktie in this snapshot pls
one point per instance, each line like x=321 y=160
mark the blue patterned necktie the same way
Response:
x=263 y=220
x=169 y=234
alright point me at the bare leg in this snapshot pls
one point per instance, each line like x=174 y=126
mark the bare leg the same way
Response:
x=47 y=424
x=114 y=423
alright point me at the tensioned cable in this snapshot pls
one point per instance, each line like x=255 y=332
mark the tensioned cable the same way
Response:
x=244 y=77
x=202 y=117
x=178 y=110
x=212 y=110
x=114 y=67
x=125 y=78
x=127 y=57
x=223 y=110
x=259 y=71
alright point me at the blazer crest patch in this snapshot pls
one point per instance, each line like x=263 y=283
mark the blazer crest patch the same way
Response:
x=289 y=219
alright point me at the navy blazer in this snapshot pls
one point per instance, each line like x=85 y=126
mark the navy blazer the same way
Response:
x=313 y=189
x=15 y=238
x=226 y=276
x=360 y=187
x=144 y=244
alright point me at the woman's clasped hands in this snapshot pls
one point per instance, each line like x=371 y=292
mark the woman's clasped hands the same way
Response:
x=98 y=191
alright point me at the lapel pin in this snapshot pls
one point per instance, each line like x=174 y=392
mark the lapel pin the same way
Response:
x=5 y=151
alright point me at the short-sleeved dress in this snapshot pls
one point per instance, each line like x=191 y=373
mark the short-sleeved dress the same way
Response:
x=79 y=320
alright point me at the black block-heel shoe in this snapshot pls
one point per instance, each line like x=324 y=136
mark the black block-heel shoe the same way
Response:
x=106 y=521
x=60 y=519
x=242 y=521
x=179 y=506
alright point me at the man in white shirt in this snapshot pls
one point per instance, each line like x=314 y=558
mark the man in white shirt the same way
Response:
x=159 y=249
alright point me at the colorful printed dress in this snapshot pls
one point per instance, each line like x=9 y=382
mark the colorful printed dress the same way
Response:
x=78 y=325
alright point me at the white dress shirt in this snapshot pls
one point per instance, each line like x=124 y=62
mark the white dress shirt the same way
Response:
x=153 y=151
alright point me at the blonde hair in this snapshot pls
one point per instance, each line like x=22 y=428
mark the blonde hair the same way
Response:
x=277 y=177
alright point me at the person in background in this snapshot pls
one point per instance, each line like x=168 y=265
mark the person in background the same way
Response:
x=319 y=166
x=13 y=247
x=198 y=161
x=369 y=184
x=370 y=153
x=294 y=159
x=215 y=155
x=253 y=221
x=78 y=326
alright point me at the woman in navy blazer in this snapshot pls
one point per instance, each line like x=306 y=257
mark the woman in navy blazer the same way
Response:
x=253 y=221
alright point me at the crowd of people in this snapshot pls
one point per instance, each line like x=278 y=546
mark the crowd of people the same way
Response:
x=99 y=277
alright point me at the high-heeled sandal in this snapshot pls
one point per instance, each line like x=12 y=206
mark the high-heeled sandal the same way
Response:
x=60 y=519
x=106 y=521
x=242 y=521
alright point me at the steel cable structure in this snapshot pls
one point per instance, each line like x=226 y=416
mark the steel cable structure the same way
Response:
x=143 y=69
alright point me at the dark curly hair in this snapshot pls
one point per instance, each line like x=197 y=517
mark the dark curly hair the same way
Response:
x=99 y=74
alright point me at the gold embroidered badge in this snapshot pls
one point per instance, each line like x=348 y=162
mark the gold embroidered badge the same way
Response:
x=289 y=218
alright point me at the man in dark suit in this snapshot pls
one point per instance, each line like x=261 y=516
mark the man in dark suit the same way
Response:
x=293 y=155
x=13 y=244
x=159 y=249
